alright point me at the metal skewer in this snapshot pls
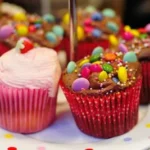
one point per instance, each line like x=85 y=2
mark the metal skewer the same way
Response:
x=73 y=27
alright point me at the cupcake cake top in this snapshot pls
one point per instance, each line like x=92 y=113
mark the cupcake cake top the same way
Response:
x=29 y=67
x=95 y=24
x=102 y=72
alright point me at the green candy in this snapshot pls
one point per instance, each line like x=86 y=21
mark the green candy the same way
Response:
x=143 y=36
x=112 y=26
x=107 y=67
x=90 y=9
x=130 y=57
x=108 y=13
x=97 y=51
x=94 y=58
x=71 y=67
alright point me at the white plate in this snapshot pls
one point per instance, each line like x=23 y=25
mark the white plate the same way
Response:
x=64 y=135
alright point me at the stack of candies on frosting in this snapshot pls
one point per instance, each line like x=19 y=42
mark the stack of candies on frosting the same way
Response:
x=43 y=31
x=103 y=91
x=94 y=29
x=138 y=41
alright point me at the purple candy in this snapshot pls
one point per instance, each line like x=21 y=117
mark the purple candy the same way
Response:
x=6 y=31
x=127 y=36
x=85 y=72
x=147 y=28
x=80 y=84
x=123 y=48
x=95 y=68
x=86 y=65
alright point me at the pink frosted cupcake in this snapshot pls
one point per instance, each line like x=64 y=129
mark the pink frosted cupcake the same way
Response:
x=28 y=87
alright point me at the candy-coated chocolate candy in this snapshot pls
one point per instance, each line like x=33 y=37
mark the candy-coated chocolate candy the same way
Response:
x=112 y=26
x=110 y=56
x=90 y=9
x=84 y=61
x=127 y=28
x=58 y=30
x=143 y=36
x=86 y=65
x=115 y=79
x=97 y=16
x=127 y=36
x=38 y=25
x=80 y=84
x=50 y=36
x=88 y=22
x=66 y=18
x=95 y=68
x=107 y=12
x=85 y=72
x=97 y=51
x=102 y=76
x=123 y=48
x=94 y=58
x=97 y=33
x=97 y=62
x=22 y=30
x=6 y=31
x=49 y=18
x=135 y=32
x=130 y=57
x=122 y=74
x=80 y=33
x=142 y=30
x=88 y=29
x=147 y=28
x=20 y=17
x=113 y=40
x=71 y=67
x=107 y=67
x=32 y=28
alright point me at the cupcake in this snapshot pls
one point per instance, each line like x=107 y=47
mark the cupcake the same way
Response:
x=95 y=28
x=103 y=92
x=28 y=87
x=141 y=46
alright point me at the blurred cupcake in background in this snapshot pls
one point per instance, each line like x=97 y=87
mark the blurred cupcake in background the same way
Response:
x=103 y=91
x=94 y=28
x=28 y=87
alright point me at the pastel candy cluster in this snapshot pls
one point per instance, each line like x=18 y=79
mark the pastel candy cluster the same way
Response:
x=105 y=65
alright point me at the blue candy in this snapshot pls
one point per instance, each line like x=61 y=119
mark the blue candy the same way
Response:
x=97 y=51
x=38 y=25
x=58 y=30
x=50 y=36
x=113 y=26
x=71 y=66
x=130 y=57
x=97 y=33
x=49 y=18
x=97 y=16
x=115 y=79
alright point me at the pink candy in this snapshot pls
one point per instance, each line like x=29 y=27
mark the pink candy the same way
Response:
x=95 y=68
x=147 y=28
x=88 y=29
x=85 y=72
x=88 y=22
x=127 y=36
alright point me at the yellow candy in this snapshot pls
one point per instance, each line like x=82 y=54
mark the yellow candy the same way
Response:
x=22 y=30
x=102 y=76
x=66 y=18
x=113 y=40
x=20 y=17
x=122 y=74
x=135 y=32
x=127 y=28
x=97 y=62
x=80 y=33
x=84 y=62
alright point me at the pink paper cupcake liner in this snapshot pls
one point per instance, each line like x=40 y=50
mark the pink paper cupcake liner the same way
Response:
x=3 y=48
x=105 y=116
x=145 y=92
x=26 y=110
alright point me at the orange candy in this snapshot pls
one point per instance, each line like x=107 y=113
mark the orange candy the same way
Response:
x=110 y=56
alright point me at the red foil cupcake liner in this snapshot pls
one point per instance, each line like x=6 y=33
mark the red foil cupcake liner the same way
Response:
x=145 y=92
x=108 y=115
x=26 y=110
x=3 y=48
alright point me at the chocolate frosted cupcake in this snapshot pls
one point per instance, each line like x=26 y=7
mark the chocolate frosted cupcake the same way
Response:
x=103 y=92
x=141 y=46
x=94 y=29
